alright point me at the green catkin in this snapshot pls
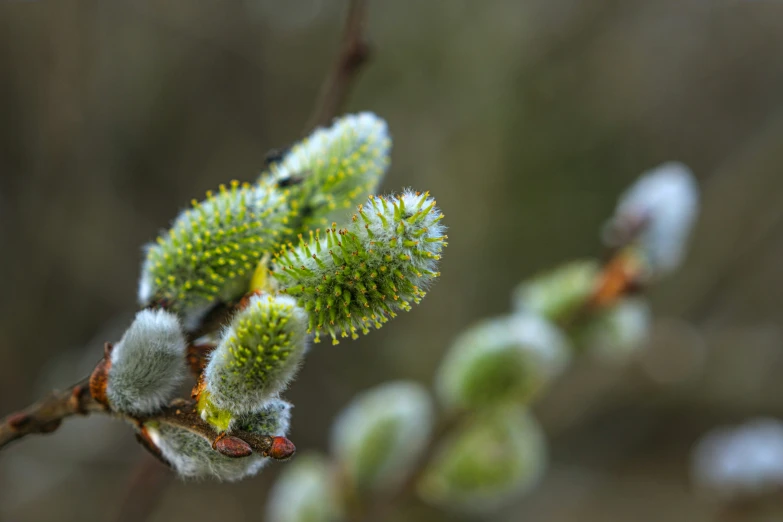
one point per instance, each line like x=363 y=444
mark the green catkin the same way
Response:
x=211 y=250
x=353 y=278
x=335 y=168
x=258 y=355
x=491 y=458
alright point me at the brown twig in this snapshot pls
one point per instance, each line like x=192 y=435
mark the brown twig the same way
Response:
x=46 y=415
x=353 y=54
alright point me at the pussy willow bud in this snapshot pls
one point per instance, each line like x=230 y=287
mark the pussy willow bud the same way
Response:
x=192 y=456
x=656 y=214
x=381 y=433
x=147 y=365
x=305 y=492
x=488 y=461
x=616 y=332
x=559 y=293
x=335 y=168
x=740 y=463
x=258 y=355
x=505 y=359
x=358 y=277
x=211 y=250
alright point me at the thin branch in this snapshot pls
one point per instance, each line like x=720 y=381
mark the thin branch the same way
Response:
x=353 y=54
x=46 y=415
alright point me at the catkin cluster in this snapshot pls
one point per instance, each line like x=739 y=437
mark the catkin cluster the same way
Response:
x=217 y=256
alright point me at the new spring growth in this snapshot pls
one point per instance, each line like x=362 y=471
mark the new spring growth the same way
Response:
x=656 y=215
x=258 y=355
x=336 y=168
x=192 y=456
x=211 y=250
x=490 y=459
x=381 y=434
x=352 y=278
x=499 y=360
x=305 y=492
x=147 y=365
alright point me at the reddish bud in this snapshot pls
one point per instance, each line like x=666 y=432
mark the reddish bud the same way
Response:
x=281 y=449
x=232 y=447
x=197 y=357
x=99 y=380
x=246 y=300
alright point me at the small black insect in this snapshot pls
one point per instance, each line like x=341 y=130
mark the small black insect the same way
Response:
x=275 y=156
x=293 y=179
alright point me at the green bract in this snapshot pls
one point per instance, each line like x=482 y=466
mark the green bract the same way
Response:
x=486 y=461
x=361 y=275
x=504 y=359
x=257 y=356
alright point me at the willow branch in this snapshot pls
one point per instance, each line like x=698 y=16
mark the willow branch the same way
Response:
x=352 y=56
x=46 y=415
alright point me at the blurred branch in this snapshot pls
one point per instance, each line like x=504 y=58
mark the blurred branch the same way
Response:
x=353 y=54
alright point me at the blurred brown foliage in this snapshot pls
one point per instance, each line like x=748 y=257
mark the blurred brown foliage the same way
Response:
x=524 y=118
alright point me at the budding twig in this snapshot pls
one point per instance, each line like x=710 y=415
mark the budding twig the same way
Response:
x=354 y=53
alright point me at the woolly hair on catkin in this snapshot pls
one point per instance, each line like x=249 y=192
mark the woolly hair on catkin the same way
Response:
x=490 y=459
x=192 y=456
x=335 y=168
x=147 y=364
x=258 y=355
x=380 y=435
x=212 y=249
x=359 y=276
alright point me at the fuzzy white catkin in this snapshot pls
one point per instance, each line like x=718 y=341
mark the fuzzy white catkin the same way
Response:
x=193 y=457
x=741 y=461
x=382 y=432
x=665 y=202
x=304 y=492
x=147 y=364
x=506 y=358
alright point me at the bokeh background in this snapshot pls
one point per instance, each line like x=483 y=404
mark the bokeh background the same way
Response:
x=524 y=118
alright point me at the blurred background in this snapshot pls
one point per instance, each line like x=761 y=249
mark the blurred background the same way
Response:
x=525 y=119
